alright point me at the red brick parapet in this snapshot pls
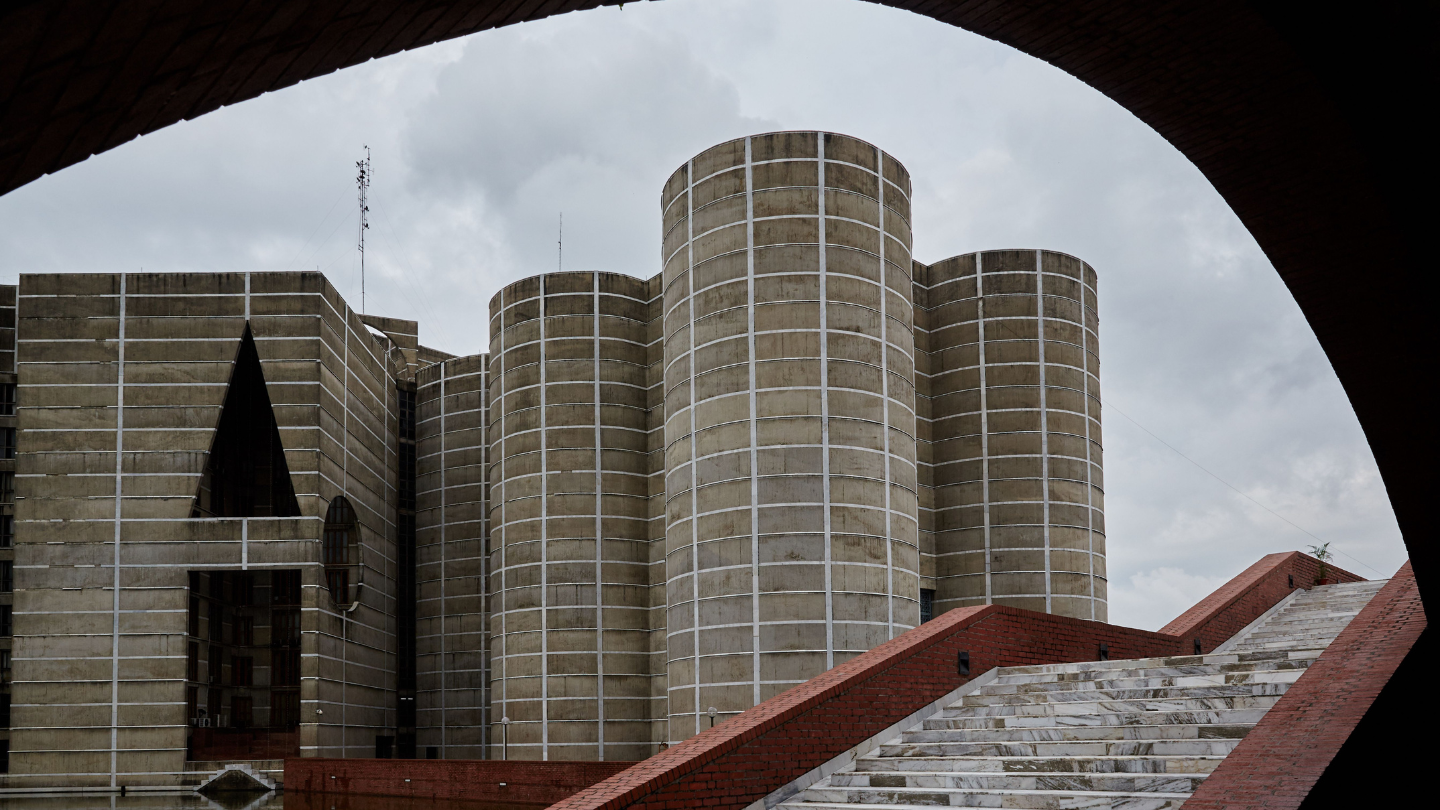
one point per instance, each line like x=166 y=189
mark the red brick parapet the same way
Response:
x=1240 y=601
x=1281 y=759
x=513 y=782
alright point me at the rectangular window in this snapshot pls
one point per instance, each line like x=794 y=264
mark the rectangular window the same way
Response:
x=242 y=670
x=285 y=628
x=927 y=604
x=192 y=664
x=192 y=703
x=244 y=589
x=338 y=580
x=7 y=531
x=284 y=710
x=216 y=661
x=4 y=666
x=242 y=712
x=7 y=621
x=285 y=588
x=7 y=399
x=7 y=576
x=7 y=442
x=4 y=709
x=7 y=487
x=215 y=621
x=244 y=631
x=194 y=617
x=4 y=756
x=285 y=668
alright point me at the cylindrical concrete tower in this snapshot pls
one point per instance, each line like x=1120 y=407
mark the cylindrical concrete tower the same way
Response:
x=791 y=514
x=569 y=536
x=1009 y=349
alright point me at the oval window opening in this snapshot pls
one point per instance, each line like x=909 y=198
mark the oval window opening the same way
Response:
x=338 y=553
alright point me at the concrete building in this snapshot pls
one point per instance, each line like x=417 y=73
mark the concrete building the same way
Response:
x=651 y=505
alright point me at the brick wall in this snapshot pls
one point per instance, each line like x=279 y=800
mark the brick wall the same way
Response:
x=746 y=757
x=1224 y=613
x=525 y=782
x=1280 y=760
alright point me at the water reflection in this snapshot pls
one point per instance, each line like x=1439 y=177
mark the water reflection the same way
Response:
x=245 y=801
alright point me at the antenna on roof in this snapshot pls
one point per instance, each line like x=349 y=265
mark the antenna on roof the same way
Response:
x=363 y=181
x=560 y=246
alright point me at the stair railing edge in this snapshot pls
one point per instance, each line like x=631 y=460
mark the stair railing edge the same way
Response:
x=848 y=758
x=1235 y=640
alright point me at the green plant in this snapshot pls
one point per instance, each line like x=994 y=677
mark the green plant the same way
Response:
x=1322 y=553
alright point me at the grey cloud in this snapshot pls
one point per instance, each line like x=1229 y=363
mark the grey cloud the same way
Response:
x=480 y=143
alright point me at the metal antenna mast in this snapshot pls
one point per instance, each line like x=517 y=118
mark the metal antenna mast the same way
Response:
x=363 y=181
x=560 y=246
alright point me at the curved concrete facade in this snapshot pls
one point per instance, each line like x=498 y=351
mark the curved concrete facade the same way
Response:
x=791 y=445
x=1011 y=365
x=452 y=532
x=791 y=516
x=569 y=440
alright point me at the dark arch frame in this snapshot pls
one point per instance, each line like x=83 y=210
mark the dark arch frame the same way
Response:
x=1308 y=124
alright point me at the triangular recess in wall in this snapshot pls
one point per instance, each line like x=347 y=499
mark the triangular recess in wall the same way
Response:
x=245 y=471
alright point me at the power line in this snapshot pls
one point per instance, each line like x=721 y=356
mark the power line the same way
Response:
x=1237 y=490
x=318 y=226
x=1109 y=404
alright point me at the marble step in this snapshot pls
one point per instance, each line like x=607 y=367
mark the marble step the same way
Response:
x=1299 y=625
x=1146 y=681
x=1116 y=782
x=1284 y=644
x=1219 y=746
x=1221 y=717
x=1192 y=669
x=854 y=799
x=1300 y=631
x=1114 y=707
x=1145 y=663
x=1107 y=695
x=1173 y=731
x=1297 y=633
x=1064 y=764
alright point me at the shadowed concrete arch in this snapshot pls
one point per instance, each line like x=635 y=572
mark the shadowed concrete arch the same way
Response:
x=1307 y=126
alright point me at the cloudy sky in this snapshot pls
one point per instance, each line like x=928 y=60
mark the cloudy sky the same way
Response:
x=480 y=143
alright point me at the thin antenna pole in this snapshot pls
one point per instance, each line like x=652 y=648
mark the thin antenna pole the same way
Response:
x=560 y=246
x=363 y=181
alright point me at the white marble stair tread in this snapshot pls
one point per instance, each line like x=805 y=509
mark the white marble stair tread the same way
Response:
x=1137 y=734
x=1023 y=799
x=1064 y=764
x=1026 y=780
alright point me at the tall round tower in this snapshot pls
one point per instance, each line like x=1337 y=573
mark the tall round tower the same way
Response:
x=569 y=499
x=791 y=519
x=1010 y=382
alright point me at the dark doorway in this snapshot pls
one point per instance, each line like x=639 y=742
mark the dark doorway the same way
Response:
x=243 y=669
x=245 y=473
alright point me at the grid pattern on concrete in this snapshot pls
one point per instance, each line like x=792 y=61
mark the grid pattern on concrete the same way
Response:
x=792 y=539
x=452 y=569
x=124 y=379
x=571 y=502
x=1013 y=487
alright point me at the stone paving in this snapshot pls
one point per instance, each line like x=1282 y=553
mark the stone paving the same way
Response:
x=1137 y=734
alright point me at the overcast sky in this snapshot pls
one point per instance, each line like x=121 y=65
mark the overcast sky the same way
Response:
x=480 y=143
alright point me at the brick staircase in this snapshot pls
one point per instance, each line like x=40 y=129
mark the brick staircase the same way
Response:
x=1139 y=734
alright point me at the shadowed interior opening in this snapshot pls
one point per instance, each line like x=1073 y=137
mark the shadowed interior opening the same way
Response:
x=246 y=474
